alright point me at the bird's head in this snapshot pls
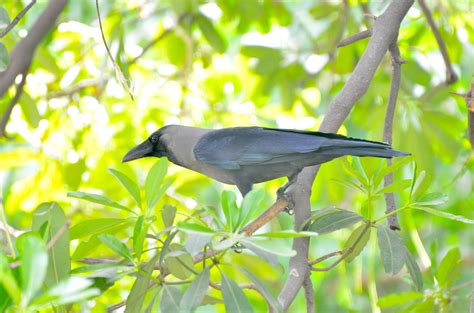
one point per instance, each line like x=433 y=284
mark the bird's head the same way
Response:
x=154 y=146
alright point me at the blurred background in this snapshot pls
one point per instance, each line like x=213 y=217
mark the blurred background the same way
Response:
x=239 y=63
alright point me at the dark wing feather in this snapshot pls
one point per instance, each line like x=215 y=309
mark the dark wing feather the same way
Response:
x=230 y=148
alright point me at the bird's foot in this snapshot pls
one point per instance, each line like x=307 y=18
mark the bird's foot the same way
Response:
x=281 y=194
x=237 y=247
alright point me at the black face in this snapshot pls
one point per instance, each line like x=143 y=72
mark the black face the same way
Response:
x=150 y=147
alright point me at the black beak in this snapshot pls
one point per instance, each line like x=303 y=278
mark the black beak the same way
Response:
x=142 y=150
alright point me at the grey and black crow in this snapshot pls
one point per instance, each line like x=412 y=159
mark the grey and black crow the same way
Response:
x=244 y=156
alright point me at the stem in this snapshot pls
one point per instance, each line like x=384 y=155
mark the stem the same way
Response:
x=4 y=221
x=406 y=206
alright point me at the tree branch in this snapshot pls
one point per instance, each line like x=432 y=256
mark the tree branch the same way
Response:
x=17 y=19
x=451 y=76
x=23 y=52
x=385 y=31
x=309 y=295
x=13 y=102
x=388 y=128
x=353 y=38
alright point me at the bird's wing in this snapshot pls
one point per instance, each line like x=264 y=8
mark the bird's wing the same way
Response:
x=231 y=148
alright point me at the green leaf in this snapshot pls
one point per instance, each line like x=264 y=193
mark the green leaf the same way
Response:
x=140 y=287
x=397 y=186
x=195 y=293
x=195 y=228
x=230 y=209
x=392 y=249
x=264 y=291
x=74 y=289
x=98 y=226
x=95 y=198
x=399 y=299
x=414 y=271
x=116 y=245
x=8 y=281
x=4 y=19
x=250 y=205
x=235 y=300
x=427 y=305
x=334 y=219
x=457 y=218
x=435 y=198
x=59 y=264
x=269 y=248
x=168 y=214
x=449 y=268
x=139 y=234
x=29 y=107
x=4 y=58
x=170 y=299
x=215 y=39
x=417 y=184
x=180 y=264
x=128 y=184
x=363 y=231
x=154 y=180
x=34 y=266
x=396 y=164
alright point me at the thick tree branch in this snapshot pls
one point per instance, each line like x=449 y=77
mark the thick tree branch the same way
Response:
x=385 y=31
x=388 y=128
x=23 y=52
x=13 y=102
x=309 y=295
x=17 y=19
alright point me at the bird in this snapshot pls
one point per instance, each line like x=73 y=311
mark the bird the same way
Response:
x=244 y=156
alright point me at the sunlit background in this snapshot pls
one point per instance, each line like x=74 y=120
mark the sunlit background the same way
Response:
x=239 y=63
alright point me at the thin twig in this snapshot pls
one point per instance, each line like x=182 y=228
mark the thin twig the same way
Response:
x=451 y=76
x=3 y=216
x=17 y=19
x=13 y=102
x=265 y=217
x=388 y=129
x=346 y=252
x=325 y=257
x=118 y=71
x=57 y=236
x=242 y=286
x=157 y=39
x=353 y=38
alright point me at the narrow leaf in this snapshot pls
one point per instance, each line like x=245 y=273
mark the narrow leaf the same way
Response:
x=140 y=287
x=128 y=184
x=59 y=264
x=230 y=209
x=34 y=266
x=399 y=299
x=235 y=300
x=250 y=205
x=195 y=293
x=116 y=245
x=362 y=232
x=180 y=264
x=334 y=220
x=435 y=198
x=95 y=198
x=214 y=38
x=195 y=228
x=396 y=186
x=97 y=226
x=392 y=249
x=457 y=218
x=414 y=271
x=170 y=299
x=139 y=233
x=264 y=291
x=449 y=268
x=154 y=180
x=168 y=214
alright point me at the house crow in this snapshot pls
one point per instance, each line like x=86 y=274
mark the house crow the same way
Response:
x=244 y=156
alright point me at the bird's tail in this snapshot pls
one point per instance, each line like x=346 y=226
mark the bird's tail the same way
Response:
x=381 y=152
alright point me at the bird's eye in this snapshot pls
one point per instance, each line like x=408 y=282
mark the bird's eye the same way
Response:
x=154 y=139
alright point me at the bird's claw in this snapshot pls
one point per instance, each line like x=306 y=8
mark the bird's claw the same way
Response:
x=290 y=208
x=237 y=247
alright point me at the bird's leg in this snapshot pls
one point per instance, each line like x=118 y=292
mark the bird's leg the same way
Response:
x=281 y=193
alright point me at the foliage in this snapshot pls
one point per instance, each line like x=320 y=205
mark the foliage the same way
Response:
x=81 y=231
